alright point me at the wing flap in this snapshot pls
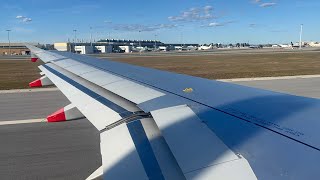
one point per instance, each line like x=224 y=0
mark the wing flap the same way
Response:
x=193 y=144
x=133 y=91
x=66 y=63
x=226 y=171
x=81 y=69
x=101 y=78
x=120 y=158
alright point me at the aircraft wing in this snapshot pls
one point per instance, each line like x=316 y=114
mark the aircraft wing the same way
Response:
x=161 y=125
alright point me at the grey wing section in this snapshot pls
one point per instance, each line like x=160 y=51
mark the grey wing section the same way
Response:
x=189 y=127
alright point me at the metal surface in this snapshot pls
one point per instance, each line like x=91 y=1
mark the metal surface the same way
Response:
x=65 y=63
x=144 y=149
x=80 y=69
x=284 y=158
x=101 y=78
x=45 y=56
x=102 y=95
x=247 y=103
x=120 y=159
x=71 y=112
x=241 y=117
x=87 y=101
x=45 y=81
x=194 y=145
x=226 y=171
x=131 y=91
x=169 y=166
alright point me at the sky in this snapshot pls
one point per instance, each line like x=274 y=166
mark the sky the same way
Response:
x=170 y=21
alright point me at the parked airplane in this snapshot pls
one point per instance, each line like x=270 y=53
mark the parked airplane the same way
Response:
x=255 y=46
x=205 y=47
x=139 y=49
x=161 y=125
x=185 y=48
x=285 y=45
x=191 y=48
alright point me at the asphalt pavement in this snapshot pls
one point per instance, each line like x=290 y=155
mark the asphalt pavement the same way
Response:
x=309 y=87
x=66 y=150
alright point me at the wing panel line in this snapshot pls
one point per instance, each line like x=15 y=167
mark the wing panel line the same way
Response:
x=122 y=112
x=135 y=128
x=225 y=112
x=217 y=109
x=144 y=150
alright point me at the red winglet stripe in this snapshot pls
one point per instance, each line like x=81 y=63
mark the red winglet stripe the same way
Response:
x=36 y=83
x=57 y=116
x=33 y=59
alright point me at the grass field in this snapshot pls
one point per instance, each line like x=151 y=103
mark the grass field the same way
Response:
x=234 y=65
x=17 y=74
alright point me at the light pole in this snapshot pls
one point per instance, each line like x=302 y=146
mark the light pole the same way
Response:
x=91 y=36
x=75 y=39
x=140 y=43
x=155 y=42
x=181 y=39
x=8 y=30
x=301 y=29
x=108 y=38
x=140 y=38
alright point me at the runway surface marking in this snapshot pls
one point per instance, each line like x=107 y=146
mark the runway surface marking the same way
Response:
x=2 y=123
x=270 y=78
x=28 y=90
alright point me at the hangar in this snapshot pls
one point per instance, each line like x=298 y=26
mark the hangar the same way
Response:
x=13 y=49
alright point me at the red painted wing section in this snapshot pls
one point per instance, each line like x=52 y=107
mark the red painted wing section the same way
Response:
x=57 y=116
x=36 y=83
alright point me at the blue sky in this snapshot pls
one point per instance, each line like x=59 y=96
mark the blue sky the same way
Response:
x=198 y=21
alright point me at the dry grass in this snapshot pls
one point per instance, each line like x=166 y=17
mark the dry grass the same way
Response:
x=234 y=65
x=17 y=74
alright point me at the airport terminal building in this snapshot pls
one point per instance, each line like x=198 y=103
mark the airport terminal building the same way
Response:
x=105 y=45
x=117 y=45
x=13 y=49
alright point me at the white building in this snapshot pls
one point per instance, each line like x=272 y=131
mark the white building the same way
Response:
x=163 y=48
x=62 y=46
x=178 y=48
x=126 y=49
x=103 y=49
x=314 y=44
x=84 y=49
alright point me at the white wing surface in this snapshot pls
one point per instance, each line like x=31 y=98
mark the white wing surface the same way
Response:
x=161 y=125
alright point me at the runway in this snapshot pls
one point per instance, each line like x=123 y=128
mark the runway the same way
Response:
x=70 y=150
x=16 y=106
x=222 y=51
x=14 y=57
x=309 y=87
